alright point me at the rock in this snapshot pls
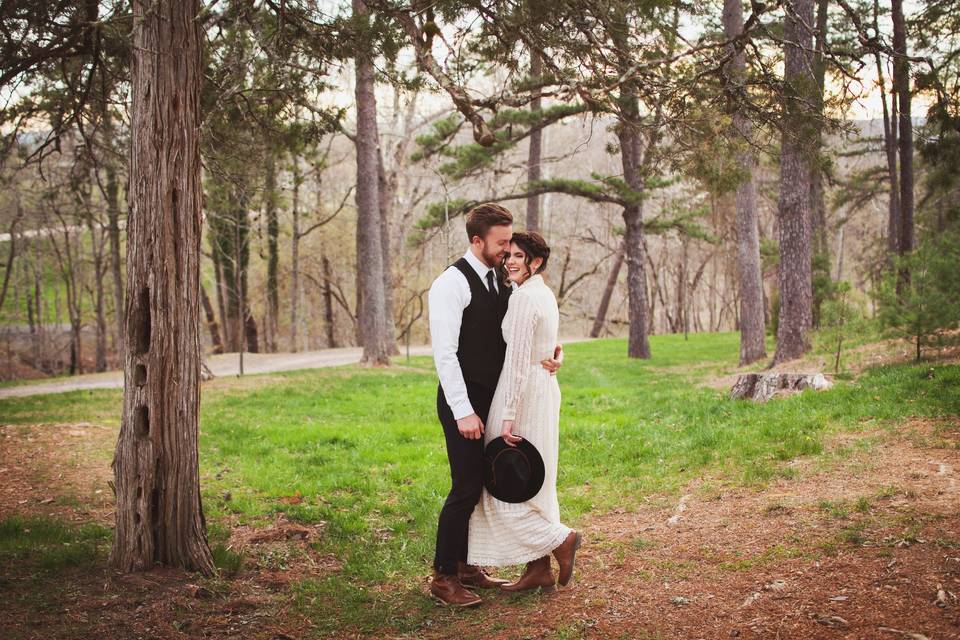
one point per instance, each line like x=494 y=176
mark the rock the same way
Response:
x=679 y=601
x=761 y=387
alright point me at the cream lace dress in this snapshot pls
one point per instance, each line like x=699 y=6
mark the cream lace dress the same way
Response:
x=502 y=533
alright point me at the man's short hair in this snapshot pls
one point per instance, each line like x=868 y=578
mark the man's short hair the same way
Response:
x=486 y=215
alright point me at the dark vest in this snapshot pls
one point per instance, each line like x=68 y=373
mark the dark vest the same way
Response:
x=481 y=347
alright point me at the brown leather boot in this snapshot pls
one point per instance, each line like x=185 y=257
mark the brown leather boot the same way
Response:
x=474 y=576
x=538 y=574
x=566 y=554
x=449 y=591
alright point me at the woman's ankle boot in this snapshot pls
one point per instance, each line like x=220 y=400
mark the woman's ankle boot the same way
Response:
x=537 y=575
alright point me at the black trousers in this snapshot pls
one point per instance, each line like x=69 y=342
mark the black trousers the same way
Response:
x=466 y=476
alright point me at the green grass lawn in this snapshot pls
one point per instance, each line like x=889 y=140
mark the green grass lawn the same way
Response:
x=364 y=450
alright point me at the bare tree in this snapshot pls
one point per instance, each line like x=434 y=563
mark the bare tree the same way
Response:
x=12 y=254
x=68 y=263
x=159 y=517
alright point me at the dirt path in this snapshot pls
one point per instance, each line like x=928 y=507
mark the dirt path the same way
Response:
x=856 y=544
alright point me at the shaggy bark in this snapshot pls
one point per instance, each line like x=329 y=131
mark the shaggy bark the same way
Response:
x=159 y=518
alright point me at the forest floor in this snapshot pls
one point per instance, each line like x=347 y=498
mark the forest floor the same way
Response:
x=822 y=515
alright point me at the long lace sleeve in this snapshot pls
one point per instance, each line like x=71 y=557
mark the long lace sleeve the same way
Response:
x=519 y=329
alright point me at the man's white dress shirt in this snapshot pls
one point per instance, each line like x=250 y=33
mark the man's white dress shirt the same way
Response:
x=449 y=296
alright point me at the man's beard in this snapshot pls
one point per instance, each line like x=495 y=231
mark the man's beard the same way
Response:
x=492 y=260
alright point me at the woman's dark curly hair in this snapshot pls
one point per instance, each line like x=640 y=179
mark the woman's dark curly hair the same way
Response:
x=532 y=244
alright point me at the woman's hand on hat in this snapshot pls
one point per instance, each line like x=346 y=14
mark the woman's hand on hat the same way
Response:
x=507 y=433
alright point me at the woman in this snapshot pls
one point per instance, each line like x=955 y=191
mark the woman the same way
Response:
x=526 y=405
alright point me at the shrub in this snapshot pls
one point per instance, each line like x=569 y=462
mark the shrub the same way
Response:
x=920 y=299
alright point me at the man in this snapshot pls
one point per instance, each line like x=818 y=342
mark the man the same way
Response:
x=467 y=304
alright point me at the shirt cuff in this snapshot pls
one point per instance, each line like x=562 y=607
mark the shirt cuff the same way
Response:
x=462 y=410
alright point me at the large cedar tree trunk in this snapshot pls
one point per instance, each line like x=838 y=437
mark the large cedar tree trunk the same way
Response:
x=369 y=250
x=159 y=518
x=752 y=330
x=796 y=154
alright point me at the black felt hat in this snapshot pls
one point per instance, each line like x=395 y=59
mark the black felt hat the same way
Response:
x=512 y=474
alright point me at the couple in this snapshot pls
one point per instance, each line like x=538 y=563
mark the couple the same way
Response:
x=493 y=324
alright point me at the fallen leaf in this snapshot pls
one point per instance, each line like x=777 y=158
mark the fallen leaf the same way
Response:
x=829 y=621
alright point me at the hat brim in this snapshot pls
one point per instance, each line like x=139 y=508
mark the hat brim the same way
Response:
x=512 y=492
